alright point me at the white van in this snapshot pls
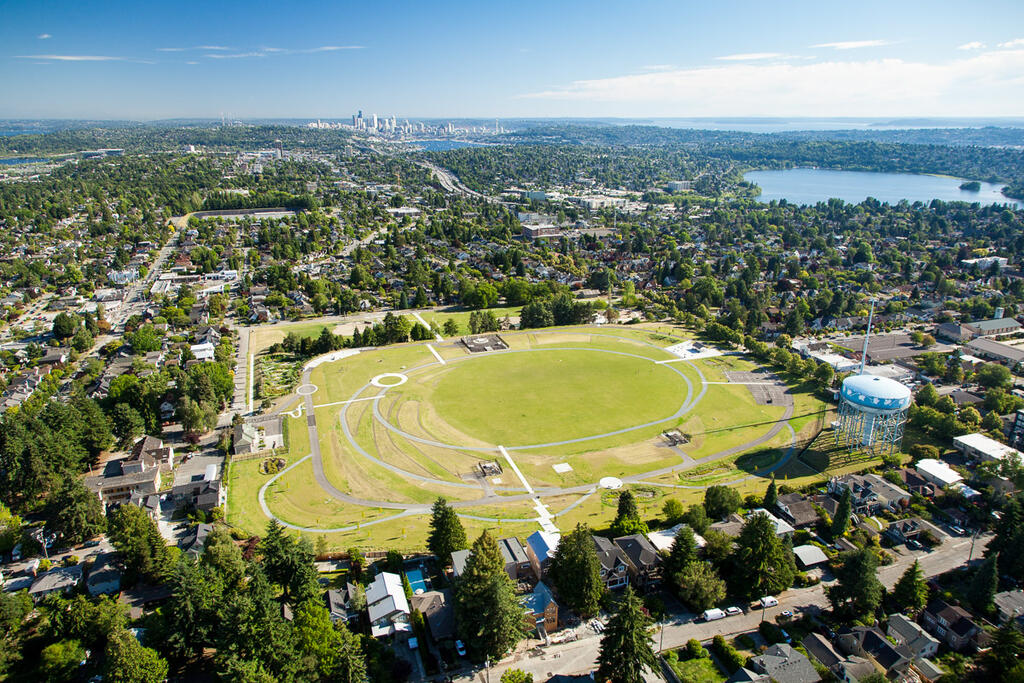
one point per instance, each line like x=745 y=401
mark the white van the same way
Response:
x=713 y=614
x=769 y=601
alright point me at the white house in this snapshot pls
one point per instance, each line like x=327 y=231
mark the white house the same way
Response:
x=387 y=605
x=938 y=473
x=203 y=352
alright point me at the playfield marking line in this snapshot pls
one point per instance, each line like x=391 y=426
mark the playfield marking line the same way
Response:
x=749 y=384
x=424 y=323
x=512 y=464
x=351 y=400
x=671 y=360
x=436 y=354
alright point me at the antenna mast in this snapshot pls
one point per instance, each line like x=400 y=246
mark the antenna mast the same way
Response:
x=864 y=351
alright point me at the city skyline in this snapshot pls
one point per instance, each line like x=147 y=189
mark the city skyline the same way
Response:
x=456 y=60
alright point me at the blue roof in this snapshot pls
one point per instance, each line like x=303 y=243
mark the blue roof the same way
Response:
x=538 y=600
x=543 y=544
x=875 y=392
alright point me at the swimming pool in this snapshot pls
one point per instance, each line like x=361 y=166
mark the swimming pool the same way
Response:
x=418 y=582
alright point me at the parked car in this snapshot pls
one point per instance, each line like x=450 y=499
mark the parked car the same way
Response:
x=958 y=531
x=914 y=544
x=460 y=647
x=785 y=614
x=713 y=614
x=769 y=601
x=733 y=611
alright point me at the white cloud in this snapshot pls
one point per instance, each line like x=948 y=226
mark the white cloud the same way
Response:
x=197 y=47
x=853 y=44
x=1016 y=42
x=983 y=84
x=748 y=56
x=973 y=45
x=73 y=58
x=271 y=51
x=44 y=36
x=658 y=67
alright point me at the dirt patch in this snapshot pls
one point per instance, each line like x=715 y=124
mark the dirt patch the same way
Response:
x=764 y=386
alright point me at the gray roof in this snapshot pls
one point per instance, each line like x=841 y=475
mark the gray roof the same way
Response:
x=59 y=579
x=785 y=665
x=459 y=559
x=995 y=324
x=512 y=551
x=996 y=349
x=810 y=555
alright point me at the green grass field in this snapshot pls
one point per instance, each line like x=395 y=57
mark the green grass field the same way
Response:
x=559 y=388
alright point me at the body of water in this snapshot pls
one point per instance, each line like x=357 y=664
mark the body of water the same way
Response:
x=813 y=185
x=12 y=161
x=442 y=145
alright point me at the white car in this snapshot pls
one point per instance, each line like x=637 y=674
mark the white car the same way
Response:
x=733 y=611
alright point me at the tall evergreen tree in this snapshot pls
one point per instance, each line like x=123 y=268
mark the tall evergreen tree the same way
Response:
x=446 y=532
x=841 y=521
x=75 y=513
x=762 y=563
x=682 y=552
x=335 y=648
x=142 y=547
x=699 y=586
x=911 y=592
x=487 y=612
x=984 y=584
x=771 y=496
x=576 y=571
x=627 y=648
x=627 y=519
x=858 y=590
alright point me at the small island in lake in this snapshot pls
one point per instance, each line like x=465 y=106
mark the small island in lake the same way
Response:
x=971 y=186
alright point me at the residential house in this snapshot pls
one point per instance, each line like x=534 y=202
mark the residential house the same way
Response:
x=204 y=492
x=258 y=434
x=540 y=609
x=540 y=548
x=58 y=580
x=1010 y=605
x=644 y=561
x=614 y=565
x=870 y=493
x=194 y=540
x=784 y=664
x=387 y=606
x=203 y=353
x=459 y=559
x=436 y=607
x=797 y=509
x=903 y=530
x=851 y=669
x=104 y=576
x=339 y=603
x=871 y=643
x=809 y=556
x=137 y=474
x=517 y=561
x=912 y=636
x=951 y=624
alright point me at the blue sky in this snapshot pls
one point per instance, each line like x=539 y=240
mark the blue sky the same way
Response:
x=149 y=60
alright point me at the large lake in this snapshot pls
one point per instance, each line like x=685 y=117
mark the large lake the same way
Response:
x=813 y=185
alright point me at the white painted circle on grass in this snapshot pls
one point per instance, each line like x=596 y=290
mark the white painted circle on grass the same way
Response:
x=306 y=390
x=610 y=483
x=378 y=381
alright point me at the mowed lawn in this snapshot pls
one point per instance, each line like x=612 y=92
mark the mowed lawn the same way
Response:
x=546 y=396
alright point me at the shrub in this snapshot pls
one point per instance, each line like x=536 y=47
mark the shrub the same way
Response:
x=727 y=654
x=770 y=632
x=694 y=650
x=746 y=641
